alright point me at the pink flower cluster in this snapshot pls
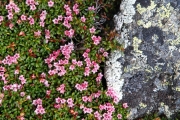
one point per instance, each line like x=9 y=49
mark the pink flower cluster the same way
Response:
x=59 y=67
x=59 y=101
x=31 y=20
x=107 y=115
x=104 y=53
x=111 y=93
x=82 y=86
x=69 y=33
x=43 y=80
x=61 y=88
x=96 y=39
x=22 y=79
x=99 y=77
x=10 y=7
x=2 y=74
x=89 y=98
x=10 y=59
x=67 y=50
x=89 y=64
x=74 y=63
x=32 y=4
x=39 y=109
x=52 y=57
x=70 y=102
x=13 y=87
x=42 y=18
x=75 y=8
x=87 y=110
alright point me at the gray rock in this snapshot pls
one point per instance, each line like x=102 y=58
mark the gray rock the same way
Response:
x=147 y=74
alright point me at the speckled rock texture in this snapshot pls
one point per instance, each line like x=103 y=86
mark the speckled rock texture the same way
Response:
x=147 y=74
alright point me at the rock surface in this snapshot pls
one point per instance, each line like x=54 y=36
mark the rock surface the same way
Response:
x=147 y=74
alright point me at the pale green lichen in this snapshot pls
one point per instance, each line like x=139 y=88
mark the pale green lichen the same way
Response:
x=164 y=11
x=142 y=105
x=141 y=10
x=136 y=43
x=145 y=25
x=175 y=42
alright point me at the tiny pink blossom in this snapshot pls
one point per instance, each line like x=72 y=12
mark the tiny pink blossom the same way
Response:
x=28 y=97
x=83 y=19
x=55 y=21
x=60 y=17
x=72 y=67
x=125 y=105
x=91 y=8
x=37 y=33
x=11 y=25
x=1 y=18
x=22 y=94
x=32 y=7
x=105 y=54
x=119 y=116
x=92 y=30
x=50 y=3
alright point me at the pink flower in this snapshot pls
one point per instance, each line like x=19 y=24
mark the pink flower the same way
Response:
x=11 y=25
x=48 y=92
x=32 y=7
x=105 y=54
x=63 y=101
x=69 y=33
x=92 y=30
x=61 y=88
x=37 y=34
x=97 y=115
x=50 y=3
x=60 y=17
x=85 y=54
x=37 y=102
x=125 y=105
x=119 y=116
x=57 y=106
x=22 y=94
x=83 y=19
x=85 y=98
x=79 y=63
x=1 y=18
x=31 y=20
x=28 y=97
x=87 y=110
x=41 y=24
x=75 y=8
x=47 y=34
x=96 y=39
x=91 y=8
x=58 y=100
x=55 y=21
x=72 y=67
x=10 y=16
x=66 y=24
